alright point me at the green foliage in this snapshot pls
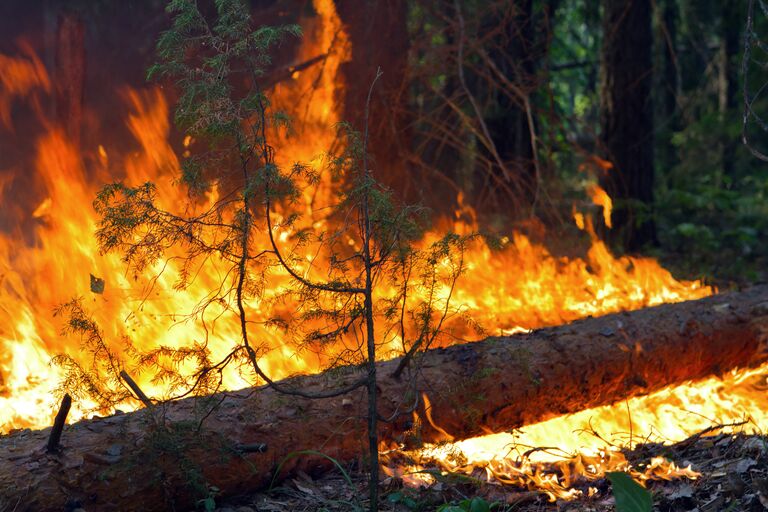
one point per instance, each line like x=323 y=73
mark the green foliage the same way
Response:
x=574 y=80
x=206 y=62
x=400 y=498
x=713 y=213
x=100 y=381
x=630 y=496
x=475 y=504
x=256 y=225
x=208 y=504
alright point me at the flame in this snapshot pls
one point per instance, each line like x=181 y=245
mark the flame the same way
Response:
x=519 y=287
x=601 y=198
x=555 y=455
x=20 y=77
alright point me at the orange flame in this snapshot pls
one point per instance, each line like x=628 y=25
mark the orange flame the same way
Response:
x=20 y=77
x=553 y=455
x=601 y=198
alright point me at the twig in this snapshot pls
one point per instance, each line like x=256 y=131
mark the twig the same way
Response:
x=475 y=106
x=58 y=424
x=288 y=71
x=525 y=99
x=267 y=156
x=136 y=389
x=629 y=417
x=572 y=65
x=251 y=448
x=687 y=443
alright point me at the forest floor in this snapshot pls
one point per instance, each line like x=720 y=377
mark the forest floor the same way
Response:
x=733 y=467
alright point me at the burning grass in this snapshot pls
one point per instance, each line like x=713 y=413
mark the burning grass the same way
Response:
x=657 y=437
x=731 y=476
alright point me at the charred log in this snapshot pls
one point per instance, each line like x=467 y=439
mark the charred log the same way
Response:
x=166 y=457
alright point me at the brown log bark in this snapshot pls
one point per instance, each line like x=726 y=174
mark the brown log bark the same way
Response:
x=161 y=459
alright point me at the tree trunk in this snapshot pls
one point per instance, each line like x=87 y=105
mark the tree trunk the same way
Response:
x=379 y=38
x=70 y=74
x=512 y=52
x=731 y=23
x=667 y=84
x=163 y=459
x=627 y=120
x=519 y=52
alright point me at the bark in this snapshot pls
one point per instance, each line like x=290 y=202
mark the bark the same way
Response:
x=70 y=74
x=668 y=83
x=163 y=459
x=379 y=38
x=627 y=124
x=731 y=23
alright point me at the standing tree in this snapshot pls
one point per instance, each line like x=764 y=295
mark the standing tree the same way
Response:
x=667 y=113
x=352 y=289
x=627 y=120
x=378 y=34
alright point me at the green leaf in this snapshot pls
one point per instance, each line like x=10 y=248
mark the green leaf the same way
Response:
x=209 y=504
x=479 y=505
x=410 y=503
x=630 y=496
x=687 y=229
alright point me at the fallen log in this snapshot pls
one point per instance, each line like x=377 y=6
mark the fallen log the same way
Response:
x=167 y=458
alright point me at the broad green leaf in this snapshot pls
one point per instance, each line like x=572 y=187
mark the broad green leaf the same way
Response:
x=630 y=496
x=479 y=505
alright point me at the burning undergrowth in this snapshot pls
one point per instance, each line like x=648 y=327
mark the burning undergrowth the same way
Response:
x=730 y=476
x=568 y=458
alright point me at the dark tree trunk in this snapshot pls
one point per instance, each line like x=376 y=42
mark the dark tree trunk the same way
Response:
x=70 y=74
x=731 y=22
x=518 y=52
x=668 y=116
x=167 y=458
x=513 y=54
x=627 y=120
x=379 y=37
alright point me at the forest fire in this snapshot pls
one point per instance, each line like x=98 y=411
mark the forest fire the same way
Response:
x=518 y=287
x=562 y=456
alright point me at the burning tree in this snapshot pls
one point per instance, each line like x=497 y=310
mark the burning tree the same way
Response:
x=242 y=217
